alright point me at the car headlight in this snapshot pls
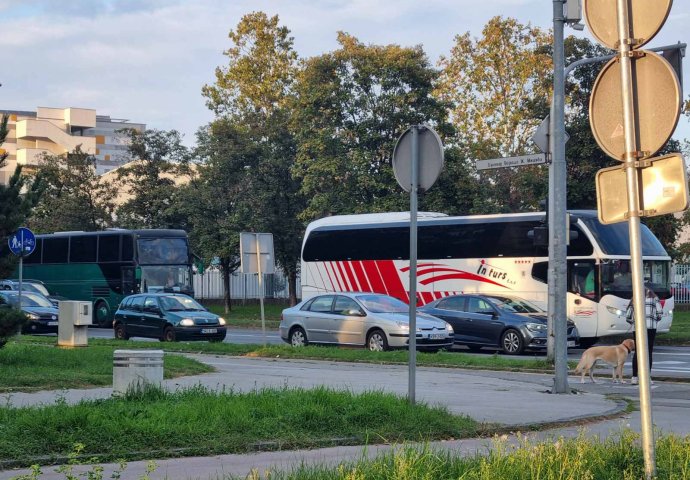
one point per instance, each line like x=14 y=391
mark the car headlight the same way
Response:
x=32 y=316
x=536 y=327
x=221 y=321
x=614 y=310
x=449 y=328
x=187 y=322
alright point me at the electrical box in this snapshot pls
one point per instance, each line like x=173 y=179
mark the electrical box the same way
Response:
x=73 y=323
x=573 y=11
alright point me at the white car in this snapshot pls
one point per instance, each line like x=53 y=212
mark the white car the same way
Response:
x=375 y=321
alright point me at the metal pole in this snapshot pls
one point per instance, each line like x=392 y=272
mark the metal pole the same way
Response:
x=21 y=265
x=413 y=264
x=632 y=176
x=261 y=289
x=560 y=270
x=551 y=297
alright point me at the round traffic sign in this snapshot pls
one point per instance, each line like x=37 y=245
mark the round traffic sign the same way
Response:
x=657 y=103
x=646 y=18
x=22 y=243
x=430 y=158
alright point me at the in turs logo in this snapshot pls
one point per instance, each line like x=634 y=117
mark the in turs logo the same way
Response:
x=494 y=273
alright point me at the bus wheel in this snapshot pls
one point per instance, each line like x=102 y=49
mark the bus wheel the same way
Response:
x=588 y=342
x=511 y=342
x=168 y=335
x=101 y=315
x=121 y=332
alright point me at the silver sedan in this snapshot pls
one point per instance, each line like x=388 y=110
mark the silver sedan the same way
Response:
x=377 y=322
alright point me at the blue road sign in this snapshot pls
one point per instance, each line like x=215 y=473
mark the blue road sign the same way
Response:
x=23 y=242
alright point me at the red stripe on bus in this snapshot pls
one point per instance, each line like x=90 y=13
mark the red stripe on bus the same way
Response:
x=361 y=276
x=427 y=297
x=421 y=265
x=424 y=271
x=373 y=276
x=460 y=276
x=391 y=279
x=341 y=269
x=337 y=280
x=330 y=278
x=352 y=277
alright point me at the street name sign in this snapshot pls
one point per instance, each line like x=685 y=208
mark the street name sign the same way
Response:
x=521 y=161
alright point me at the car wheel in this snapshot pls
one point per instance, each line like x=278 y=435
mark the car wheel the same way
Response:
x=512 y=342
x=121 y=332
x=101 y=315
x=168 y=334
x=298 y=337
x=376 y=341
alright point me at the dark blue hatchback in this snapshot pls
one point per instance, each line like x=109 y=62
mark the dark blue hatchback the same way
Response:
x=168 y=317
x=509 y=323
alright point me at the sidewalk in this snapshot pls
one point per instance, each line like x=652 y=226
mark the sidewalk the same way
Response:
x=506 y=398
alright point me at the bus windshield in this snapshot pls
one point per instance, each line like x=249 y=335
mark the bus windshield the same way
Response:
x=616 y=277
x=162 y=251
x=166 y=279
x=614 y=239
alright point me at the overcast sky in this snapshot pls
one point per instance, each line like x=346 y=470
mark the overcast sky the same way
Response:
x=146 y=60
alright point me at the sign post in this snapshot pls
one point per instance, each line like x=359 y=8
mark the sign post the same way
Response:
x=256 y=255
x=634 y=108
x=22 y=244
x=417 y=162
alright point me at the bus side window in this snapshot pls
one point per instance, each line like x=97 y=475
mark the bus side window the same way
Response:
x=540 y=271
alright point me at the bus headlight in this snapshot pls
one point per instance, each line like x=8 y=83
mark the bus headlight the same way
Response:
x=536 y=327
x=614 y=310
x=187 y=322
x=221 y=321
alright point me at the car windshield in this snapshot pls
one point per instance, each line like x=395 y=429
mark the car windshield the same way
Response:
x=28 y=300
x=382 y=304
x=516 y=305
x=179 y=303
x=35 y=288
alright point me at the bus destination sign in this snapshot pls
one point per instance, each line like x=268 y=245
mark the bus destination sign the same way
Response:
x=521 y=161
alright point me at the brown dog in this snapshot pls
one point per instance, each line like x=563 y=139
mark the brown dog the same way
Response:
x=614 y=355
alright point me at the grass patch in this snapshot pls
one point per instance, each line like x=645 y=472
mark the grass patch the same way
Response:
x=680 y=330
x=615 y=458
x=249 y=316
x=201 y=422
x=25 y=366
x=440 y=359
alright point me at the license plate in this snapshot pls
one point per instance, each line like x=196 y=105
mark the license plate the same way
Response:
x=571 y=343
x=209 y=330
x=52 y=324
x=437 y=336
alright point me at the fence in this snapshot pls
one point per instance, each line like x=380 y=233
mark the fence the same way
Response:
x=209 y=285
x=680 y=283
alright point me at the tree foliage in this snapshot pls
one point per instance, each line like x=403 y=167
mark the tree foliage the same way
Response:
x=75 y=196
x=148 y=182
x=17 y=198
x=352 y=105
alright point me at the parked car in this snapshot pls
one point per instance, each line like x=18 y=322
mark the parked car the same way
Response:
x=43 y=316
x=34 y=286
x=375 y=321
x=168 y=317
x=510 y=323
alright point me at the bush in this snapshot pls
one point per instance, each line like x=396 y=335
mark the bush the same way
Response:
x=11 y=321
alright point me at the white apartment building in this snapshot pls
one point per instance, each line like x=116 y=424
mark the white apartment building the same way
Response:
x=60 y=130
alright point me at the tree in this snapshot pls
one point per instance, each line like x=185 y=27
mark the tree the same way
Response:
x=251 y=99
x=75 y=196
x=351 y=106
x=17 y=198
x=149 y=180
x=498 y=88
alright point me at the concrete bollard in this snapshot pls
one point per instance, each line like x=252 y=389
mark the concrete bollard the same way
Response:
x=134 y=369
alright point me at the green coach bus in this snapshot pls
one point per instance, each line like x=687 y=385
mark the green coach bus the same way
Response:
x=104 y=267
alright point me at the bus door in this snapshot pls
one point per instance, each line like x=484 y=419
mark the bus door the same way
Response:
x=128 y=281
x=583 y=296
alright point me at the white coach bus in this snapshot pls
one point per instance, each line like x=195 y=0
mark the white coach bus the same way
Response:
x=485 y=254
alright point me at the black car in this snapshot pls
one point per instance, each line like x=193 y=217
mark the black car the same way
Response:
x=510 y=323
x=43 y=316
x=168 y=317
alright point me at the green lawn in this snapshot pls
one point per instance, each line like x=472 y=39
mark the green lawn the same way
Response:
x=26 y=367
x=249 y=316
x=442 y=359
x=680 y=330
x=156 y=424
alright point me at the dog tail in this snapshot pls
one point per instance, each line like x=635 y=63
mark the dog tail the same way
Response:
x=580 y=365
